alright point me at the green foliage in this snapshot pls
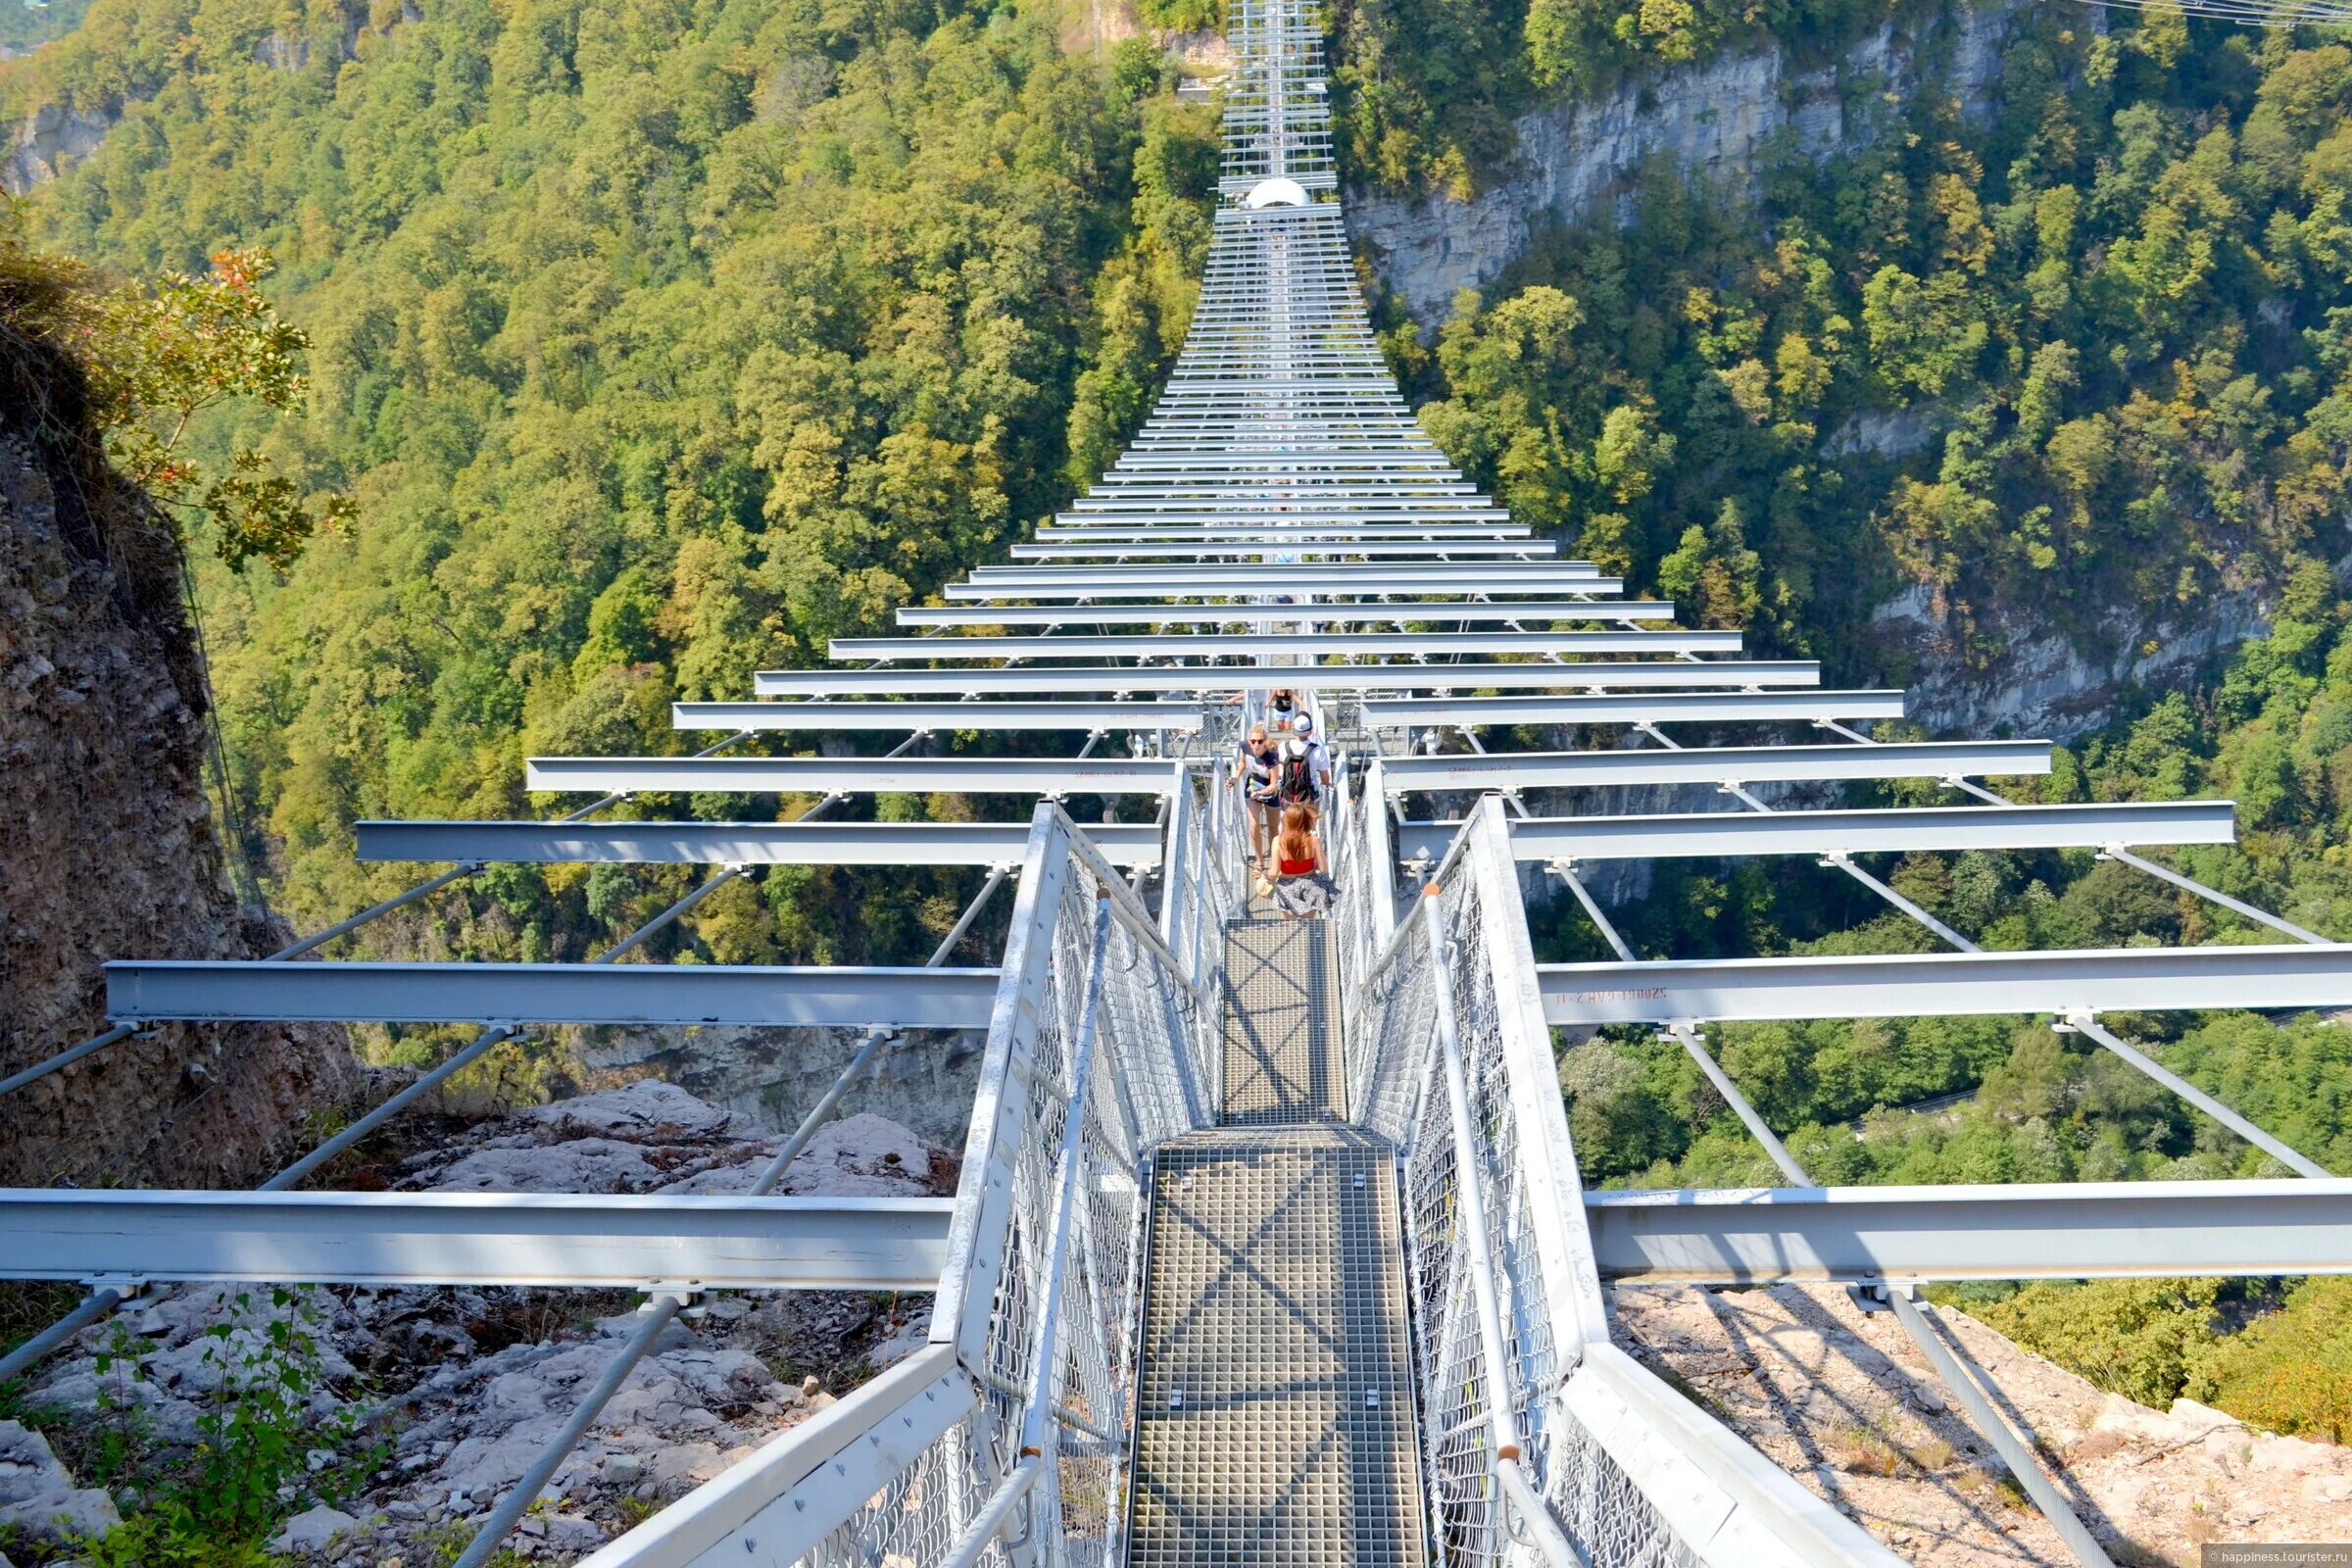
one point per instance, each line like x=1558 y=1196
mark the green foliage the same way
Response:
x=267 y=1410
x=23 y=27
x=2091 y=353
x=2288 y=1370
x=656 y=345
x=161 y=355
x=2137 y=1338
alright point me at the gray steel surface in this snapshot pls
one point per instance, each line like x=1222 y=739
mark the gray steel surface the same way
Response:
x=1337 y=644
x=152 y=989
x=1666 y=675
x=1713 y=765
x=1176 y=717
x=2074 y=1230
x=856 y=775
x=1946 y=827
x=1274 y=1415
x=1128 y=844
x=522 y=1239
x=1707 y=707
x=2093 y=980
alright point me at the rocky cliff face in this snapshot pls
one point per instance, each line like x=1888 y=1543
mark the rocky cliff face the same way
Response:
x=770 y=1078
x=51 y=137
x=1717 y=121
x=108 y=850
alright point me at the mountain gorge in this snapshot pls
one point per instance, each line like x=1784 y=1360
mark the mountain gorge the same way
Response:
x=1998 y=351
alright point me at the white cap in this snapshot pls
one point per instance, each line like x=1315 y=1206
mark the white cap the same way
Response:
x=1303 y=724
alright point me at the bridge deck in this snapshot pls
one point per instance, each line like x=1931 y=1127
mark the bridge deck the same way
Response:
x=1274 y=1419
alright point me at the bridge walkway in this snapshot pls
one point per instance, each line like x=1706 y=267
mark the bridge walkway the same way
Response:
x=1274 y=1417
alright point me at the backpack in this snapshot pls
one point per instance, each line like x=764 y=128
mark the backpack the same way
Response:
x=1297 y=780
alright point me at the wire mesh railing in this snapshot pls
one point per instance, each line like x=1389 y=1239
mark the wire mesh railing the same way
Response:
x=1457 y=1068
x=1094 y=1056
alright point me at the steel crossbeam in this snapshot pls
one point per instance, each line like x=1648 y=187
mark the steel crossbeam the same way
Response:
x=1174 y=717
x=1125 y=844
x=152 y=990
x=1208 y=549
x=1715 y=765
x=1710 y=707
x=1163 y=582
x=1214 y=645
x=1321 y=610
x=2073 y=1230
x=2290 y=977
x=1656 y=674
x=1547 y=839
x=856 y=775
x=477 y=1239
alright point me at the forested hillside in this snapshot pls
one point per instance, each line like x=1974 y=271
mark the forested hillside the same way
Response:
x=654 y=343
x=2076 y=359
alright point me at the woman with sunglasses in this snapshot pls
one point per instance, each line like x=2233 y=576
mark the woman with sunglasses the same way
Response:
x=1253 y=773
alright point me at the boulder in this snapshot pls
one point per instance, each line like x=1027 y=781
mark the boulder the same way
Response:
x=313 y=1528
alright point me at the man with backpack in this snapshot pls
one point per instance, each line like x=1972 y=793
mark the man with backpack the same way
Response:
x=1302 y=771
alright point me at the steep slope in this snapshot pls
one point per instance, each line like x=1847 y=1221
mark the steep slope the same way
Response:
x=110 y=849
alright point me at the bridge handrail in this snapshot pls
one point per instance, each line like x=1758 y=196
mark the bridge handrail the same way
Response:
x=1601 y=1440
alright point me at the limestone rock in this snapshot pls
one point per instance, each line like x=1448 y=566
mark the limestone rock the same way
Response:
x=1842 y=1400
x=313 y=1528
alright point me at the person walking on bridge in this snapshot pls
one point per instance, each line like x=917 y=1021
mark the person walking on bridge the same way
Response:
x=1253 y=775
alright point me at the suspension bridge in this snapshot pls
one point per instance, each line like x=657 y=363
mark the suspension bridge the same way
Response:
x=1269 y=1245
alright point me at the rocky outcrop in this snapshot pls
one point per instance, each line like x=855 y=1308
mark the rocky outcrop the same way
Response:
x=923 y=1079
x=1842 y=1400
x=109 y=850
x=1717 y=121
x=52 y=139
x=2046 y=682
x=464 y=1387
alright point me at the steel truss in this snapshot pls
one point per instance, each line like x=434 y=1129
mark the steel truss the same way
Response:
x=1280 y=482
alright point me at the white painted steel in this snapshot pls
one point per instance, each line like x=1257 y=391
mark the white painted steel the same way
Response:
x=1323 y=611
x=522 y=1239
x=223 y=990
x=1901 y=831
x=1725 y=707
x=2090 y=980
x=1466 y=676
x=1714 y=765
x=2071 y=1230
x=854 y=775
x=1335 y=643
x=779 y=1504
x=1177 y=719
x=1127 y=844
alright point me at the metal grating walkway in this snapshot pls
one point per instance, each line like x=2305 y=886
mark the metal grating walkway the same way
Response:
x=1282 y=1041
x=1274 y=1421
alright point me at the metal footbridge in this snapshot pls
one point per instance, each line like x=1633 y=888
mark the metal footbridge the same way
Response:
x=1268 y=1245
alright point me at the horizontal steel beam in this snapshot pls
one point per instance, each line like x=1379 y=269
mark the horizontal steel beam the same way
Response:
x=1700 y=707
x=1438 y=549
x=147 y=990
x=1956 y=828
x=1656 y=674
x=2084 y=1230
x=1332 y=644
x=1126 y=844
x=1287 y=581
x=1714 y=765
x=1320 y=611
x=1177 y=718
x=857 y=775
x=1241 y=576
x=520 y=1238
x=2291 y=977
